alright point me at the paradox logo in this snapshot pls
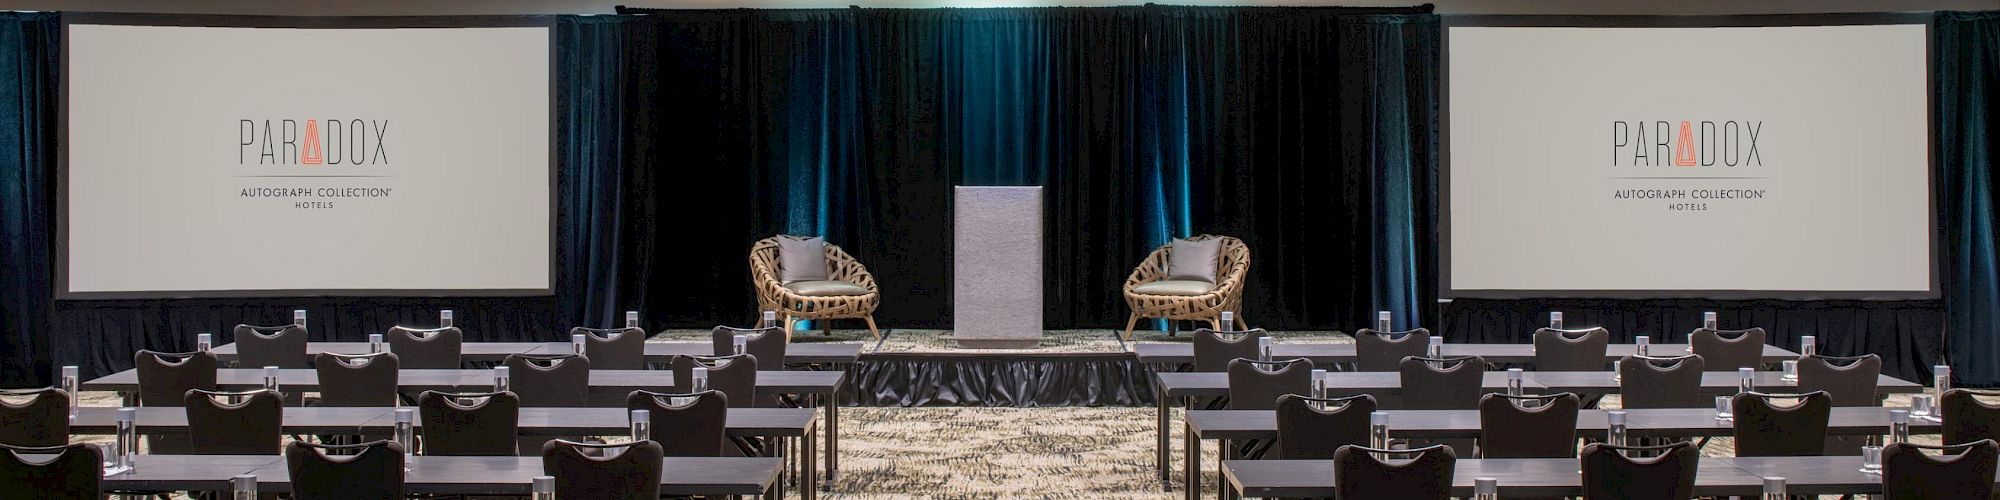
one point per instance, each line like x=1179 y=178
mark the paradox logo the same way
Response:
x=278 y=142
x=1704 y=143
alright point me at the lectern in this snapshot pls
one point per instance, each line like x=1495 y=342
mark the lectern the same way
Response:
x=997 y=267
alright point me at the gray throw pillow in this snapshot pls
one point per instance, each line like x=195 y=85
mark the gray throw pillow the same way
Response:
x=1191 y=260
x=801 y=259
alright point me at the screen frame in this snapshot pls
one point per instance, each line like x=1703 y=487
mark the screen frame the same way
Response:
x=1447 y=292
x=62 y=244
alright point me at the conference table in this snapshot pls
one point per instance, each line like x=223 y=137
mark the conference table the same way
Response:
x=679 y=476
x=1181 y=353
x=1184 y=386
x=777 y=424
x=1236 y=425
x=1559 y=477
x=604 y=385
x=827 y=353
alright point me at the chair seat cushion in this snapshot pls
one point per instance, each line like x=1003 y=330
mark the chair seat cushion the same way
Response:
x=1174 y=287
x=823 y=288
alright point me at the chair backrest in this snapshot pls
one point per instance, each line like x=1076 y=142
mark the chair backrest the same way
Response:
x=1670 y=382
x=1528 y=426
x=483 y=426
x=1455 y=384
x=41 y=420
x=1610 y=472
x=765 y=344
x=427 y=348
x=1384 y=351
x=613 y=348
x=359 y=471
x=261 y=346
x=1306 y=431
x=1910 y=474
x=1728 y=350
x=696 y=429
x=254 y=426
x=1364 y=477
x=553 y=380
x=1214 y=350
x=1256 y=385
x=1765 y=429
x=1571 y=350
x=1850 y=380
x=357 y=380
x=165 y=378
x=75 y=473
x=735 y=376
x=1966 y=418
x=633 y=474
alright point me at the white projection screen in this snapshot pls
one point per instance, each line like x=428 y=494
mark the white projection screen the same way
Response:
x=1632 y=160
x=215 y=156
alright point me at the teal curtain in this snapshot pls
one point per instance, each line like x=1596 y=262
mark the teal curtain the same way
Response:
x=29 y=52
x=1966 y=62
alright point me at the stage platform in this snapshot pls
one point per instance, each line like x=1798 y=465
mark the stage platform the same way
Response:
x=911 y=367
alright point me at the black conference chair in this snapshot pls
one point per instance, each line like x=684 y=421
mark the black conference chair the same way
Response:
x=1214 y=350
x=555 y=380
x=735 y=376
x=1528 y=426
x=471 y=425
x=696 y=429
x=604 y=472
x=1384 y=351
x=1447 y=383
x=261 y=346
x=1314 y=428
x=357 y=380
x=1850 y=381
x=1728 y=350
x=1612 y=472
x=1762 y=428
x=765 y=344
x=1363 y=476
x=1967 y=474
x=427 y=348
x=1256 y=385
x=1966 y=418
x=1571 y=350
x=164 y=380
x=75 y=473
x=41 y=420
x=362 y=471
x=253 y=426
x=1661 y=382
x=613 y=348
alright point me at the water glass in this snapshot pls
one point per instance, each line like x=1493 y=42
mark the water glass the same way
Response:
x=1920 y=406
x=444 y=318
x=631 y=319
x=1791 y=367
x=503 y=379
x=243 y=487
x=1871 y=459
x=544 y=488
x=1774 y=488
x=1722 y=408
x=1645 y=344
x=1485 y=488
x=642 y=420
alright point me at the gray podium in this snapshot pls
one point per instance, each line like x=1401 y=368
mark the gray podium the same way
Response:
x=997 y=267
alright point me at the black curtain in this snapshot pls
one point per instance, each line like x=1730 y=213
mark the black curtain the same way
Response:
x=1965 y=48
x=29 y=54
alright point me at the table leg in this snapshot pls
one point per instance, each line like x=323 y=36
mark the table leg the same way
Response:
x=1160 y=431
x=1193 y=461
x=811 y=487
x=776 y=448
x=1224 y=450
x=833 y=435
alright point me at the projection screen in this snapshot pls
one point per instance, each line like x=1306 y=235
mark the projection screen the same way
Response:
x=222 y=156
x=1785 y=162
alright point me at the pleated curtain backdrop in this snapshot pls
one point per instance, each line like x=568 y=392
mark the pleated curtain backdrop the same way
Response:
x=1965 y=49
x=30 y=45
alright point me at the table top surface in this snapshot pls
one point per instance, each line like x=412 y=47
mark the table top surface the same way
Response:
x=1183 y=352
x=442 y=475
x=804 y=352
x=1543 y=477
x=750 y=422
x=769 y=382
x=1179 y=384
x=1673 y=423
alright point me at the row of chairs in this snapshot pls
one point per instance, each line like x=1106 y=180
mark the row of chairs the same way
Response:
x=440 y=348
x=372 y=470
x=1664 y=472
x=1555 y=350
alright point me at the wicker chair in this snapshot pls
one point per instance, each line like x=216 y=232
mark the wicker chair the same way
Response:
x=1226 y=296
x=772 y=295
